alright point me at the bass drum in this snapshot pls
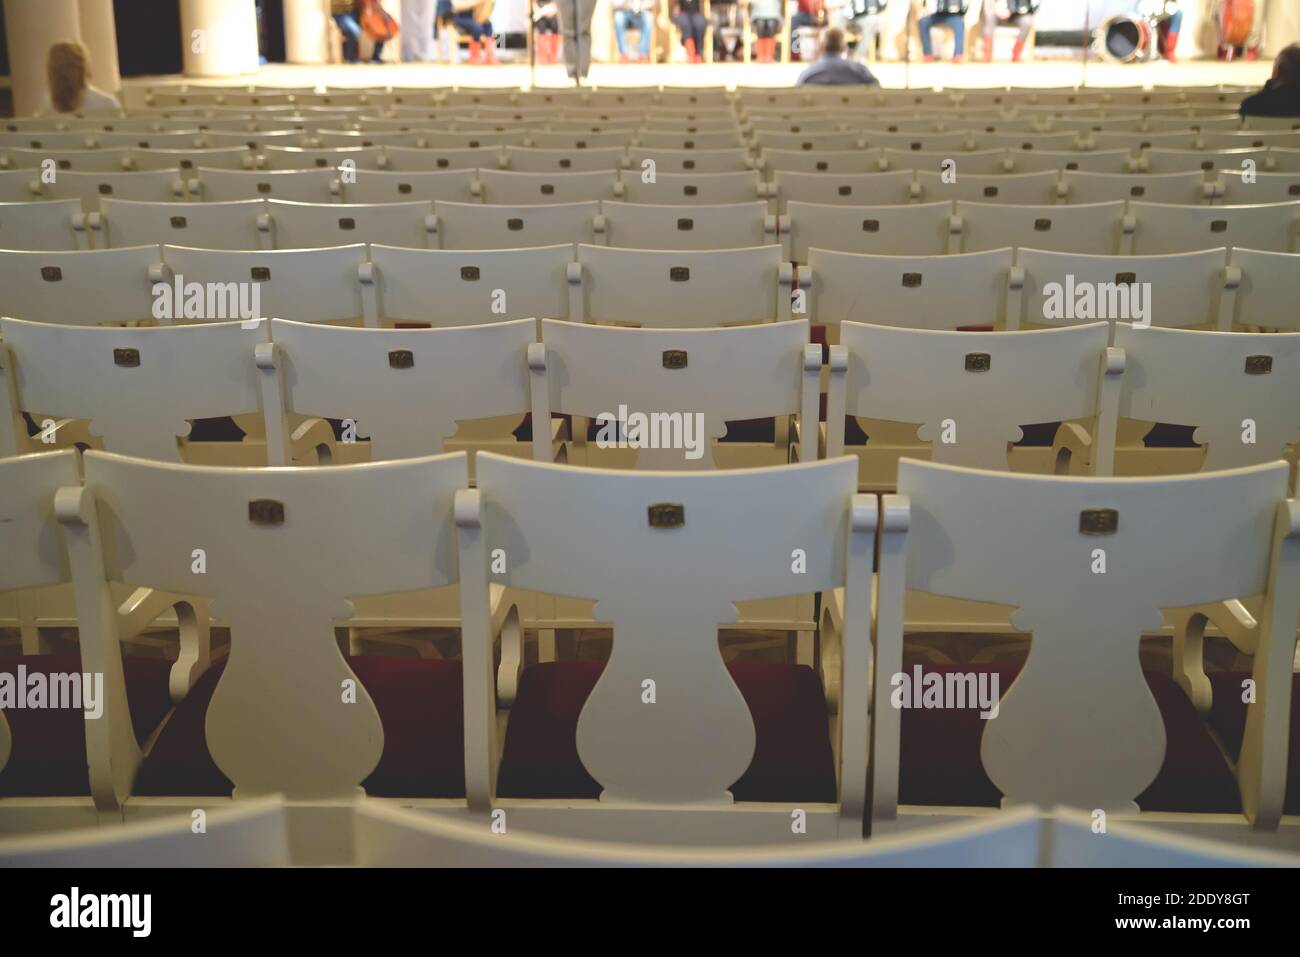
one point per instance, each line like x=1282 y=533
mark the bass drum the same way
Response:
x=1123 y=38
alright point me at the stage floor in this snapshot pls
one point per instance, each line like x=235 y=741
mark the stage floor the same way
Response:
x=1043 y=73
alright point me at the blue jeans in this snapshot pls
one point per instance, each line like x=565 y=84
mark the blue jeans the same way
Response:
x=352 y=36
x=953 y=21
x=623 y=20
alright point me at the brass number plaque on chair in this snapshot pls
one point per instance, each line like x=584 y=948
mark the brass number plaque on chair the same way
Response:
x=845 y=190
x=1099 y=521
x=179 y=222
x=52 y=273
x=260 y=273
x=1042 y=225
x=263 y=187
x=1126 y=278
x=911 y=280
x=978 y=362
x=685 y=225
x=1219 y=226
x=401 y=358
x=674 y=358
x=469 y=273
x=990 y=190
x=667 y=515
x=105 y=189
x=691 y=190
x=347 y=222
x=565 y=163
x=547 y=189
x=688 y=164
x=129 y=358
x=1137 y=191
x=679 y=273
x=266 y=511
x=871 y=225
x=514 y=225
x=1259 y=365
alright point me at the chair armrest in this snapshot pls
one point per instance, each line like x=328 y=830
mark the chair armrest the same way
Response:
x=309 y=439
x=509 y=635
x=1072 y=449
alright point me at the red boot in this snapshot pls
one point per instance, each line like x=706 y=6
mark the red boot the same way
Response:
x=988 y=49
x=556 y=40
x=490 y=49
x=691 y=55
x=1171 y=41
x=475 y=52
x=1016 y=50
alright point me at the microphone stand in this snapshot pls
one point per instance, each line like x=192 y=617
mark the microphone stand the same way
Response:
x=577 y=48
x=1087 y=43
x=907 y=48
x=532 y=48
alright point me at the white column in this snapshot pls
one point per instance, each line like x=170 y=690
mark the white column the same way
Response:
x=31 y=29
x=99 y=34
x=1281 y=25
x=306 y=31
x=219 y=37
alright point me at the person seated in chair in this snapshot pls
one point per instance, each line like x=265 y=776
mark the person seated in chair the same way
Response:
x=726 y=20
x=67 y=76
x=1016 y=13
x=765 y=20
x=465 y=16
x=944 y=13
x=866 y=19
x=1281 y=94
x=832 y=69
x=692 y=26
x=638 y=14
x=346 y=14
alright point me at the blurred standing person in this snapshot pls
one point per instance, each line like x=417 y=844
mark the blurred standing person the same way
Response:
x=866 y=18
x=417 y=30
x=346 y=14
x=944 y=13
x=575 y=24
x=546 y=20
x=726 y=19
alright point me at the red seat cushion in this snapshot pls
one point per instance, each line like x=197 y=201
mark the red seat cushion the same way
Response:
x=49 y=744
x=940 y=762
x=792 y=759
x=420 y=704
x=1228 y=717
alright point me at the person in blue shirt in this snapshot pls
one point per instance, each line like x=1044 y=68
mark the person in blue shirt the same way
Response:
x=832 y=69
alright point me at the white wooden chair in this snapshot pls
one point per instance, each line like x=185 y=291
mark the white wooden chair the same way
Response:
x=1188 y=188
x=917 y=141
x=1076 y=842
x=21 y=186
x=849 y=189
x=692 y=189
x=680 y=288
x=1098 y=161
x=1176 y=229
x=139 y=389
x=227 y=225
x=42 y=783
x=427 y=159
x=329 y=284
x=56 y=224
x=535 y=160
x=249 y=834
x=1242 y=392
x=160 y=186
x=302 y=186
x=460 y=287
x=1269 y=287
x=1186 y=289
x=1140 y=142
x=257 y=140
x=918 y=292
x=187 y=160
x=662 y=526
x=285 y=551
x=811 y=142
x=492 y=226
x=452 y=185
x=1023 y=189
x=723 y=160
x=1037 y=543
x=917 y=230
x=85 y=287
x=1098 y=228
x=828 y=161
x=1180 y=161
x=1029 y=141
x=977 y=163
x=518 y=189
x=310 y=225
x=980 y=388
x=583 y=139
x=298 y=157
x=722 y=226
x=1282 y=160
x=114 y=160
x=1237 y=189
x=680 y=140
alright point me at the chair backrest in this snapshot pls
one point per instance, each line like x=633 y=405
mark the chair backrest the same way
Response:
x=459 y=287
x=1175 y=229
x=829 y=161
x=405 y=389
x=704 y=540
x=1100 y=161
x=978 y=163
x=811 y=142
x=680 y=288
x=307 y=225
x=301 y=186
x=490 y=226
x=160 y=186
x=694 y=189
x=72 y=161
x=188 y=160
x=29 y=531
x=1242 y=392
x=1269 y=289
x=454 y=185
x=847 y=189
x=307 y=285
x=679 y=140
x=1095 y=228
x=1025 y=189
x=228 y=225
x=1283 y=160
x=919 y=292
x=403 y=159
x=285 y=550
x=249 y=834
x=1028 y=141
x=1175 y=289
x=732 y=160
x=140 y=388
x=1178 y=161
x=21 y=186
x=724 y=226
x=502 y=187
x=396 y=837
x=1181 y=188
x=335 y=158
x=42 y=224
x=1240 y=188
x=1088 y=564
x=713 y=376
x=920 y=230
x=1076 y=842
x=534 y=160
x=85 y=288
x=980 y=387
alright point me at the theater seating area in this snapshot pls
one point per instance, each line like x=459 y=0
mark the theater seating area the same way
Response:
x=960 y=508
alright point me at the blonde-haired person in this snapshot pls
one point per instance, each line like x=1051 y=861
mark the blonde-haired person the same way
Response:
x=67 y=76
